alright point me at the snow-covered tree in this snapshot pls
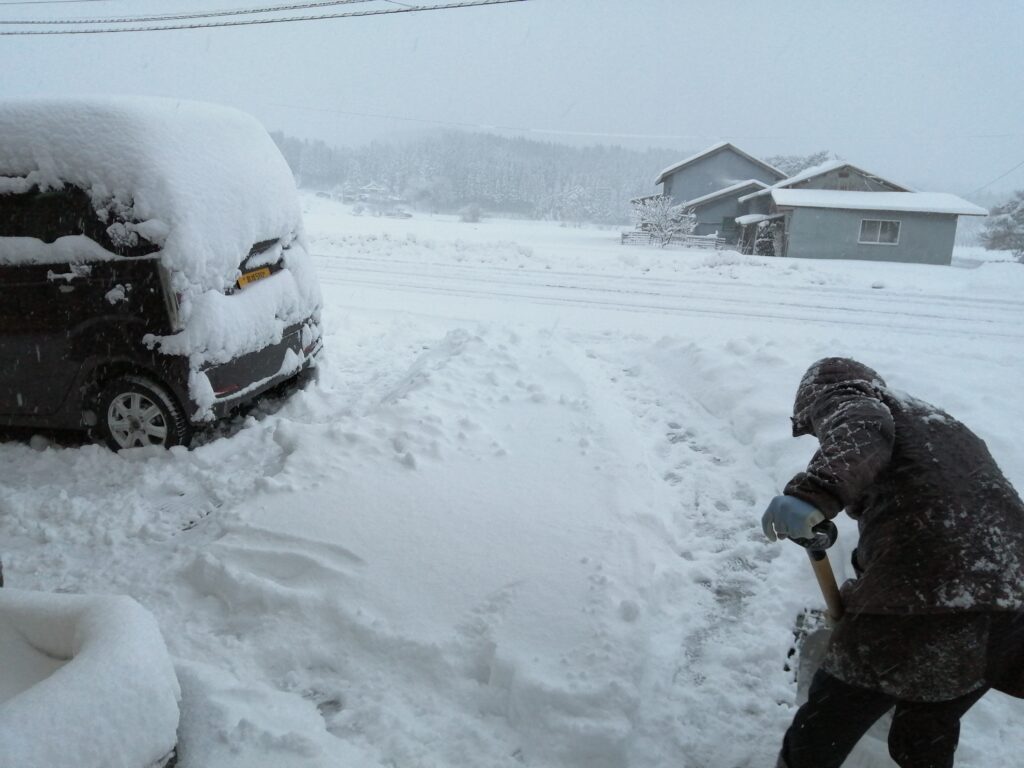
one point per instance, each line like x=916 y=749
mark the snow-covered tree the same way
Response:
x=662 y=218
x=1004 y=228
x=793 y=164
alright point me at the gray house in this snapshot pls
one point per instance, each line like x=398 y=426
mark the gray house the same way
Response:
x=917 y=227
x=839 y=211
x=835 y=210
x=711 y=182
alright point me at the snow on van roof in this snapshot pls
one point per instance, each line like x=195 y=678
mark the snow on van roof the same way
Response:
x=918 y=202
x=207 y=180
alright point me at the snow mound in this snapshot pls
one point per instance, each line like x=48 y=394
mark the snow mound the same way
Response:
x=95 y=685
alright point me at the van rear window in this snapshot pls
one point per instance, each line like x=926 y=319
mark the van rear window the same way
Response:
x=51 y=214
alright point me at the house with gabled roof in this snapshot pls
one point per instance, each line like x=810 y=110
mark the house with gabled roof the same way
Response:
x=720 y=165
x=832 y=174
x=835 y=210
x=710 y=183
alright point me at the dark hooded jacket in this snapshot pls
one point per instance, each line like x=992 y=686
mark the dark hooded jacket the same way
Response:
x=941 y=528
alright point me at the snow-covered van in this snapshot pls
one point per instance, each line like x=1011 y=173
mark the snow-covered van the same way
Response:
x=153 y=267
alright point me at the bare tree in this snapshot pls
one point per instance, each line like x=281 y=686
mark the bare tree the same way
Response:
x=659 y=216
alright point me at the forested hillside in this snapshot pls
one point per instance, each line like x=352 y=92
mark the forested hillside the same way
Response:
x=446 y=172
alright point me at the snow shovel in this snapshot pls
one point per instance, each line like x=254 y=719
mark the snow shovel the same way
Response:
x=814 y=626
x=814 y=632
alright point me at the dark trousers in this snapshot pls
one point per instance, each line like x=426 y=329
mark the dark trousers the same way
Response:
x=836 y=715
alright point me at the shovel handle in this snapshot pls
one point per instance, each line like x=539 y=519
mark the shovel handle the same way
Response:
x=827 y=582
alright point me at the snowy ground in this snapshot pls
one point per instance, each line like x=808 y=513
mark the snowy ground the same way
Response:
x=516 y=521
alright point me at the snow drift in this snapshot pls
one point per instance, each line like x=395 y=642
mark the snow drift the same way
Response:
x=87 y=683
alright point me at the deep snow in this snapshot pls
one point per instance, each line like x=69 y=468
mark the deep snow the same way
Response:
x=92 y=683
x=516 y=521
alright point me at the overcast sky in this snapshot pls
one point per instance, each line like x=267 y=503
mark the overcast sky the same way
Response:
x=927 y=93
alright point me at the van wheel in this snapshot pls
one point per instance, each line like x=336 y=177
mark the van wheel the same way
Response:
x=134 y=411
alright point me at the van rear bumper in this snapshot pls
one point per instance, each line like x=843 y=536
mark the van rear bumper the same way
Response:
x=244 y=378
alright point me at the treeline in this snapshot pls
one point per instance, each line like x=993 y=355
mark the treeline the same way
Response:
x=450 y=171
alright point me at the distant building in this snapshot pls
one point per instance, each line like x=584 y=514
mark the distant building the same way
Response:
x=835 y=210
x=711 y=182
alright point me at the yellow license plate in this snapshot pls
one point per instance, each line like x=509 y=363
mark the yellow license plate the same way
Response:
x=252 y=277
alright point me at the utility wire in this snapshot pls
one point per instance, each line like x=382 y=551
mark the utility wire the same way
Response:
x=51 y=2
x=184 y=15
x=997 y=178
x=253 y=22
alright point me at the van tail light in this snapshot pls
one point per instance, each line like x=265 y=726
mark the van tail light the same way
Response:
x=172 y=299
x=227 y=390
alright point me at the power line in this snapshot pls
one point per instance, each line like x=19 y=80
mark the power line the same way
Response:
x=997 y=178
x=183 y=15
x=253 y=22
x=51 y=2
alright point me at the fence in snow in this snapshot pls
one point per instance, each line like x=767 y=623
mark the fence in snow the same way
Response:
x=687 y=241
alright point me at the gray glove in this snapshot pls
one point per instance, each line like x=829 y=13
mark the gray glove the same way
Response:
x=788 y=517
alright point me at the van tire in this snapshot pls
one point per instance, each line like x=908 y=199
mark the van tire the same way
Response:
x=134 y=411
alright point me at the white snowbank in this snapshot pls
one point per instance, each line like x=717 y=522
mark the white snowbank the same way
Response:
x=96 y=687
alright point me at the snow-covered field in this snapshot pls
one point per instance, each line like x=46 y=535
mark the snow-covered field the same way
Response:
x=516 y=520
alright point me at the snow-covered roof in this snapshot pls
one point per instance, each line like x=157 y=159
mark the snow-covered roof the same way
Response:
x=916 y=202
x=722 y=145
x=732 y=188
x=820 y=170
x=756 y=218
x=207 y=180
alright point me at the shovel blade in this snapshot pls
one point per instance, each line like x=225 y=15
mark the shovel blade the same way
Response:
x=812 y=653
x=813 y=634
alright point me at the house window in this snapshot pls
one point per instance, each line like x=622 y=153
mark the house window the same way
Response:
x=879 y=232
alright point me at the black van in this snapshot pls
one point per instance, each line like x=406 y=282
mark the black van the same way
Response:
x=82 y=299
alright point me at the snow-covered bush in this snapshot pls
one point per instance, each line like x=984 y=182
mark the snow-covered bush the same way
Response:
x=470 y=214
x=1004 y=228
x=662 y=218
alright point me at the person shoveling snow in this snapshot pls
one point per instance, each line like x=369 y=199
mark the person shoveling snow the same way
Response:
x=936 y=615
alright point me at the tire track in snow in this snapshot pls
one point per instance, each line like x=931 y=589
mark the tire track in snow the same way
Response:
x=928 y=299
x=556 y=295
